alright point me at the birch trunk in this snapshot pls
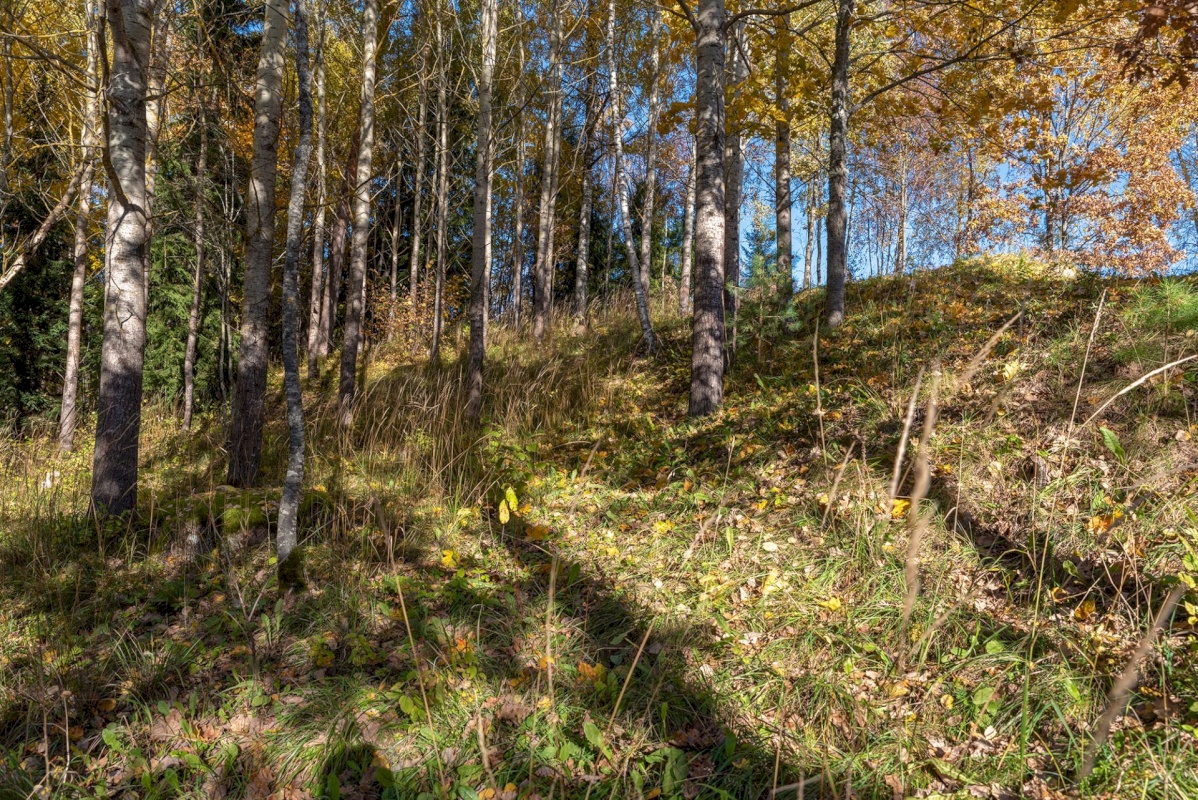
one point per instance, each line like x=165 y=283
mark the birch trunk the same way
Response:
x=442 y=190
x=810 y=243
x=543 y=266
x=418 y=181
x=518 y=229
x=193 y=317
x=289 y=569
x=355 y=293
x=316 y=304
x=160 y=44
x=245 y=446
x=782 y=198
x=396 y=224
x=837 y=222
x=480 y=256
x=582 y=263
x=118 y=415
x=68 y=417
x=620 y=188
x=651 y=150
x=734 y=166
x=688 y=242
x=707 y=339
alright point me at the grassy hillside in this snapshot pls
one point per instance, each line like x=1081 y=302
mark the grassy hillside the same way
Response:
x=595 y=597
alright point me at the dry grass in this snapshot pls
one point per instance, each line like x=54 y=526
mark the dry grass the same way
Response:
x=675 y=608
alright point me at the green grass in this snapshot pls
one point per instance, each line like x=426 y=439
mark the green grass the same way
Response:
x=752 y=554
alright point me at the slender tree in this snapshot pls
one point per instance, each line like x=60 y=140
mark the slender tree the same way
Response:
x=688 y=240
x=480 y=257
x=287 y=540
x=619 y=185
x=782 y=198
x=442 y=228
x=316 y=304
x=421 y=136
x=118 y=411
x=193 y=316
x=542 y=291
x=654 y=111
x=68 y=416
x=707 y=338
x=245 y=445
x=837 y=222
x=355 y=295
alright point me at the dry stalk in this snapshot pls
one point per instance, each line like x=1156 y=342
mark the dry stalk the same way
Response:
x=917 y=520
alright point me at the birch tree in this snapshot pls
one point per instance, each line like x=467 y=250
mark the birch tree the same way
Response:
x=481 y=246
x=245 y=440
x=355 y=296
x=118 y=409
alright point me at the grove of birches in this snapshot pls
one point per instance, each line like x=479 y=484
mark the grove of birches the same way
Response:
x=599 y=398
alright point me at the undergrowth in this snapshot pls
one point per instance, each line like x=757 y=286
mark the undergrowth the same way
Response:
x=591 y=595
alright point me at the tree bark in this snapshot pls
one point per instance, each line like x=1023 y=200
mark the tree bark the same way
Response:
x=620 y=187
x=810 y=243
x=582 y=262
x=160 y=45
x=518 y=224
x=734 y=167
x=418 y=180
x=68 y=417
x=249 y=394
x=543 y=266
x=837 y=223
x=707 y=336
x=651 y=149
x=688 y=242
x=900 y=246
x=316 y=303
x=782 y=198
x=480 y=257
x=396 y=224
x=355 y=294
x=289 y=570
x=193 y=316
x=442 y=190
x=118 y=417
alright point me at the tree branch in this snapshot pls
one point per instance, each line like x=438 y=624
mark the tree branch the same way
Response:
x=690 y=15
x=767 y=12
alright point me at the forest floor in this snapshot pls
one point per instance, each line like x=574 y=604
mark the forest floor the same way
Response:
x=593 y=596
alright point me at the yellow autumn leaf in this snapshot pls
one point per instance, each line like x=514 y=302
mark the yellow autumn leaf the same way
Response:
x=537 y=533
x=898 y=509
x=1084 y=611
x=504 y=513
x=107 y=704
x=449 y=558
x=832 y=603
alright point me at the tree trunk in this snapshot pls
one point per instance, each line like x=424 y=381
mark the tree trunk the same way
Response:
x=837 y=223
x=160 y=45
x=900 y=246
x=707 y=338
x=332 y=286
x=442 y=190
x=355 y=291
x=480 y=257
x=245 y=446
x=688 y=242
x=582 y=262
x=782 y=198
x=418 y=180
x=810 y=243
x=68 y=417
x=620 y=188
x=543 y=266
x=316 y=304
x=193 y=316
x=118 y=416
x=396 y=224
x=518 y=229
x=651 y=149
x=734 y=167
x=289 y=569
